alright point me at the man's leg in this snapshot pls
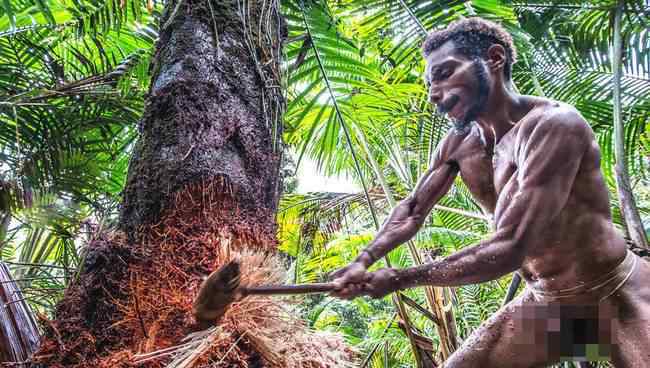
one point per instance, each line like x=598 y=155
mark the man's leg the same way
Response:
x=633 y=348
x=631 y=327
x=515 y=336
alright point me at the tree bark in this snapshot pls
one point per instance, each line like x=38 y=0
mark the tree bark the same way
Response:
x=211 y=111
x=203 y=181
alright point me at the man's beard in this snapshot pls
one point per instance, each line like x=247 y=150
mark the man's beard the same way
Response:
x=483 y=90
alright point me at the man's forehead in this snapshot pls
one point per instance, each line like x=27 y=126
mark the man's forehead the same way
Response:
x=436 y=62
x=440 y=55
x=446 y=49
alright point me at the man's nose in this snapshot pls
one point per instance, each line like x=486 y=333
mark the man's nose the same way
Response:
x=434 y=95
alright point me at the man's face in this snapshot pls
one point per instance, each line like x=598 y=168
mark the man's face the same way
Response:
x=457 y=86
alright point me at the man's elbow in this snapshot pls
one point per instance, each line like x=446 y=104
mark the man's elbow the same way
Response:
x=514 y=254
x=417 y=210
x=512 y=250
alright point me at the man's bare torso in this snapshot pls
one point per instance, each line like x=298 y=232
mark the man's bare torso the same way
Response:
x=542 y=183
x=581 y=242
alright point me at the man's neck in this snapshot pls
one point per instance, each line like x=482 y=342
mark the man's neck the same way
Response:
x=504 y=109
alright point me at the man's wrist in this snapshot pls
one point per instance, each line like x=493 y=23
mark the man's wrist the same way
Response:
x=366 y=258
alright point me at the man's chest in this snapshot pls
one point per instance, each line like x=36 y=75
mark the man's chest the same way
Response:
x=504 y=163
x=487 y=171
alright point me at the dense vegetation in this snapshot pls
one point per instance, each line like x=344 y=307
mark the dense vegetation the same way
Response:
x=73 y=76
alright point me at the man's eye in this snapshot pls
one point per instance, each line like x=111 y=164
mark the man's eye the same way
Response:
x=444 y=74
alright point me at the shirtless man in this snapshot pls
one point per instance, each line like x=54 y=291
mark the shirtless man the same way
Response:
x=535 y=165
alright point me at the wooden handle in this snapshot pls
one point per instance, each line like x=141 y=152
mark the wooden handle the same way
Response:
x=288 y=289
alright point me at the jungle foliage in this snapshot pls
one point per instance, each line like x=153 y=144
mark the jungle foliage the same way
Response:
x=74 y=74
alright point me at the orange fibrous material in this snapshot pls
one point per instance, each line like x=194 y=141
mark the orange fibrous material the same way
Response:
x=132 y=306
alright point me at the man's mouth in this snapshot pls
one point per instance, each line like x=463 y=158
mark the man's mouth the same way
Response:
x=446 y=107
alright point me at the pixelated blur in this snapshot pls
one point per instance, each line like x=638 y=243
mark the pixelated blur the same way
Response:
x=570 y=332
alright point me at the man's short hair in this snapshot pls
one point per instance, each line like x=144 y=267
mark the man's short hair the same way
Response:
x=472 y=37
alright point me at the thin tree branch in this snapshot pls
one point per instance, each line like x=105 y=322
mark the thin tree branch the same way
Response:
x=512 y=289
x=415 y=19
x=413 y=304
x=626 y=196
x=43 y=265
x=396 y=298
x=374 y=349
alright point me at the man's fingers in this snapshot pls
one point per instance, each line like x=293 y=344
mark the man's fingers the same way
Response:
x=343 y=293
x=352 y=273
x=338 y=285
x=348 y=291
x=341 y=282
x=347 y=279
x=340 y=289
x=335 y=275
x=353 y=291
x=368 y=289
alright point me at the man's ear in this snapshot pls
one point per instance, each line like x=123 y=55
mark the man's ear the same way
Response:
x=496 y=57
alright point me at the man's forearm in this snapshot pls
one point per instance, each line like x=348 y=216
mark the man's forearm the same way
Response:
x=401 y=226
x=486 y=261
x=384 y=243
x=409 y=215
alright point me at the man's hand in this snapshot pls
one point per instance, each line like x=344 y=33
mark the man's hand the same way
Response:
x=349 y=281
x=353 y=281
x=381 y=283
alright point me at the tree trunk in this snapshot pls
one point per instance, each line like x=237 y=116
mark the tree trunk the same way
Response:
x=629 y=210
x=18 y=333
x=210 y=113
x=202 y=188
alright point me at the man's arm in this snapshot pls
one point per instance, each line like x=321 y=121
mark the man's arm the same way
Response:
x=408 y=216
x=548 y=163
x=405 y=219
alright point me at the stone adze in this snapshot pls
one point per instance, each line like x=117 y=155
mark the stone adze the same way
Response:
x=223 y=287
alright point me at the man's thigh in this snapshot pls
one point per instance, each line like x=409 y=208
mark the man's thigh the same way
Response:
x=515 y=336
x=633 y=346
x=631 y=305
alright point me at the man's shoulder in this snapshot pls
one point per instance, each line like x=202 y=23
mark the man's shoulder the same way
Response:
x=455 y=143
x=557 y=118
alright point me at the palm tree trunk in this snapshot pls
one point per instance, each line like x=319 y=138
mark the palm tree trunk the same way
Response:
x=18 y=334
x=213 y=111
x=202 y=187
x=626 y=196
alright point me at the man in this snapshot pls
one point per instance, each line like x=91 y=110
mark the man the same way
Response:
x=535 y=165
